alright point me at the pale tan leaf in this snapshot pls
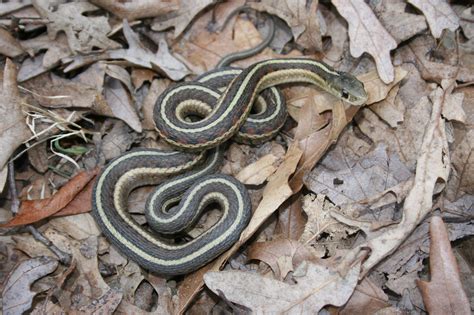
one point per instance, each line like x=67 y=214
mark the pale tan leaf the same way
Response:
x=433 y=164
x=9 y=46
x=401 y=24
x=367 y=34
x=181 y=18
x=121 y=104
x=134 y=10
x=13 y=128
x=84 y=33
x=138 y=55
x=444 y=294
x=320 y=286
x=272 y=251
x=368 y=298
x=391 y=109
x=17 y=295
x=439 y=15
x=300 y=16
x=258 y=172
x=453 y=109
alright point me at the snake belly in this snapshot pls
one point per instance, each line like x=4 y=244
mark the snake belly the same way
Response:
x=148 y=167
x=232 y=108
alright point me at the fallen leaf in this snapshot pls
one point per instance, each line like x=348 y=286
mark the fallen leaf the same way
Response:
x=439 y=15
x=367 y=298
x=402 y=25
x=17 y=296
x=270 y=253
x=432 y=165
x=138 y=55
x=13 y=126
x=9 y=46
x=367 y=34
x=121 y=103
x=138 y=9
x=318 y=210
x=301 y=17
x=320 y=286
x=106 y=304
x=346 y=176
x=181 y=18
x=84 y=33
x=391 y=109
x=40 y=61
x=35 y=210
x=258 y=172
x=444 y=294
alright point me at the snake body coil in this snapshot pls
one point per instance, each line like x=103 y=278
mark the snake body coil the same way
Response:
x=220 y=116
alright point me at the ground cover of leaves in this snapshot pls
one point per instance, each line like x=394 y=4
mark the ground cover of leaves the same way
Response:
x=356 y=210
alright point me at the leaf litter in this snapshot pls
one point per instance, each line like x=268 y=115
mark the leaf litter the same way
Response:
x=347 y=201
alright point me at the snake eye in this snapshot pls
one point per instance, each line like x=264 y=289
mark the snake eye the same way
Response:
x=344 y=94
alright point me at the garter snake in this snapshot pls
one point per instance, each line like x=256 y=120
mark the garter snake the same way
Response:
x=222 y=116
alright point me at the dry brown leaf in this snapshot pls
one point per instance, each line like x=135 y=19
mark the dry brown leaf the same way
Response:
x=138 y=9
x=439 y=15
x=258 y=172
x=301 y=17
x=368 y=298
x=318 y=210
x=13 y=128
x=401 y=24
x=121 y=104
x=56 y=49
x=320 y=286
x=391 y=109
x=17 y=296
x=84 y=33
x=35 y=210
x=106 y=304
x=181 y=18
x=367 y=34
x=138 y=55
x=271 y=252
x=432 y=164
x=347 y=176
x=156 y=88
x=444 y=294
x=9 y=46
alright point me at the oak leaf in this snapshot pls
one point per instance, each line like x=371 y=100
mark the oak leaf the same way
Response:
x=439 y=15
x=367 y=34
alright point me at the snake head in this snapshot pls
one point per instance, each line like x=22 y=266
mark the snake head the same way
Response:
x=349 y=88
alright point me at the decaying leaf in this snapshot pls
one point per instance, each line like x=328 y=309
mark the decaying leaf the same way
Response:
x=13 y=128
x=301 y=17
x=320 y=286
x=139 y=55
x=35 y=210
x=272 y=252
x=444 y=294
x=439 y=15
x=17 y=296
x=181 y=18
x=432 y=165
x=367 y=34
x=138 y=9
x=83 y=33
x=9 y=46
x=256 y=173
